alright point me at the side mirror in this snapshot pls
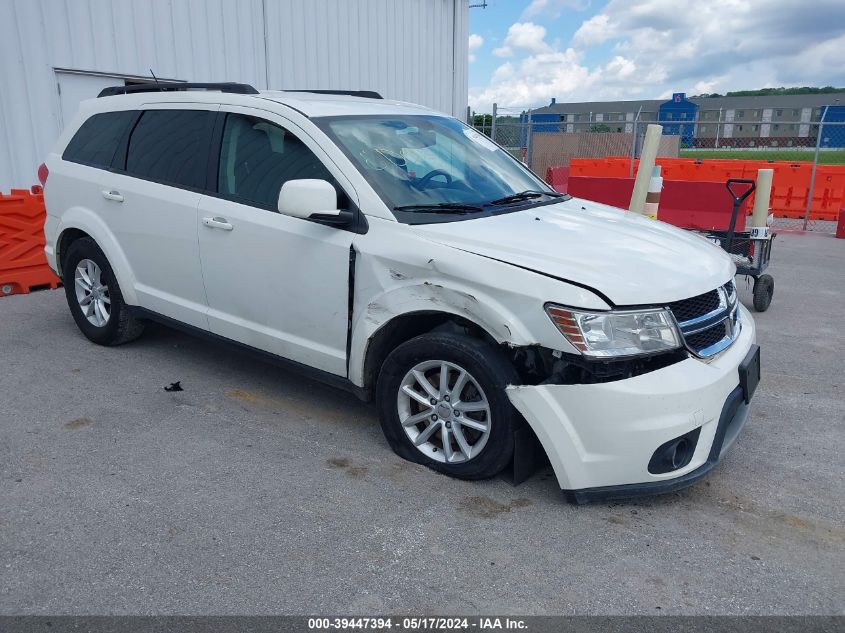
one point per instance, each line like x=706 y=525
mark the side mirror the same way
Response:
x=306 y=197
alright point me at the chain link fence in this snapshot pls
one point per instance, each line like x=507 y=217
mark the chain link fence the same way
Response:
x=808 y=156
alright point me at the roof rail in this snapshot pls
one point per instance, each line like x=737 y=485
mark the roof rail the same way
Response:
x=367 y=94
x=174 y=86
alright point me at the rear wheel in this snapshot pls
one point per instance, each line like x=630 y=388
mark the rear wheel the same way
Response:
x=442 y=403
x=764 y=289
x=94 y=297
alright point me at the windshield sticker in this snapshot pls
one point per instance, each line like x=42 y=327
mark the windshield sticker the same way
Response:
x=480 y=139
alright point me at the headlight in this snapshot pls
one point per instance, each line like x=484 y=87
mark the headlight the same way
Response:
x=616 y=333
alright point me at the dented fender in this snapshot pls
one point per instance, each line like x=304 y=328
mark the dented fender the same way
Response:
x=399 y=272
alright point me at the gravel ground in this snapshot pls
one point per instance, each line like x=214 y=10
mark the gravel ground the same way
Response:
x=257 y=491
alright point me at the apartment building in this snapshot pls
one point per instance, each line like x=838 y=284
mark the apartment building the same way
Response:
x=780 y=120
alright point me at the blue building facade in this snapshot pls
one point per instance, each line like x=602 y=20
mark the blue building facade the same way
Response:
x=678 y=117
x=833 y=135
x=542 y=122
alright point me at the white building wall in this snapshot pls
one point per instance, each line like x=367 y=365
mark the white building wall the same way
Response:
x=413 y=50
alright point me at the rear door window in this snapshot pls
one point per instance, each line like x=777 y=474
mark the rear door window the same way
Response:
x=171 y=147
x=97 y=140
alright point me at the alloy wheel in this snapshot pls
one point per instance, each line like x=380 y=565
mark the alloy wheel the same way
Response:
x=91 y=293
x=444 y=411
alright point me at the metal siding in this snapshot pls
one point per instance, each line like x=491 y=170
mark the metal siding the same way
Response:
x=404 y=49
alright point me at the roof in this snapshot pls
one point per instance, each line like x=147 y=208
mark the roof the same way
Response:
x=308 y=103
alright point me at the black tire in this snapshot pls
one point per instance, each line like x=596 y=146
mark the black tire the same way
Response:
x=764 y=289
x=121 y=326
x=487 y=366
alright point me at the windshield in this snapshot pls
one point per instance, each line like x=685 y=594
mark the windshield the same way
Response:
x=435 y=168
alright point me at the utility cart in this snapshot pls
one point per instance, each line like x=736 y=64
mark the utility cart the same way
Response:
x=750 y=250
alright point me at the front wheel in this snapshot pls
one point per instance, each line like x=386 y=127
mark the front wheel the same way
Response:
x=442 y=403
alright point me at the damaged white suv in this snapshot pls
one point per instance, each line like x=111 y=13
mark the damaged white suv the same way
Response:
x=398 y=253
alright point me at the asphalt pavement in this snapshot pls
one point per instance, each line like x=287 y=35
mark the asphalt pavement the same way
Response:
x=257 y=491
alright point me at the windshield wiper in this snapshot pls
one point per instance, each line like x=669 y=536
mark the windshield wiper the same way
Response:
x=440 y=207
x=529 y=194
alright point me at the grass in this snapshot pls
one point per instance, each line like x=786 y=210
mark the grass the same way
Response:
x=826 y=157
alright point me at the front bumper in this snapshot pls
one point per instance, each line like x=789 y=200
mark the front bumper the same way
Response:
x=599 y=438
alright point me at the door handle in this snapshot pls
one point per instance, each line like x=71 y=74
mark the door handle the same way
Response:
x=217 y=223
x=111 y=194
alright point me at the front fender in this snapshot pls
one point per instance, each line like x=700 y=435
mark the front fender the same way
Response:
x=398 y=274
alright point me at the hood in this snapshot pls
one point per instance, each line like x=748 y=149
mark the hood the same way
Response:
x=631 y=259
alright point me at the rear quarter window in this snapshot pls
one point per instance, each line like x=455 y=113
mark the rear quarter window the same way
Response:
x=97 y=140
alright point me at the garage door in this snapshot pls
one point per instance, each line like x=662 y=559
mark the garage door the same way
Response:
x=76 y=87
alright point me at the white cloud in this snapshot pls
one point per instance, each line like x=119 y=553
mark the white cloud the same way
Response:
x=552 y=8
x=534 y=80
x=619 y=69
x=475 y=42
x=524 y=36
x=527 y=36
x=659 y=48
x=706 y=86
x=594 y=31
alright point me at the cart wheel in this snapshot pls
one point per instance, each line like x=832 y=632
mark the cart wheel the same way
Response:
x=764 y=288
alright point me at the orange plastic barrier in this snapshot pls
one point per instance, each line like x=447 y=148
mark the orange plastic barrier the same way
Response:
x=790 y=184
x=610 y=167
x=828 y=192
x=23 y=265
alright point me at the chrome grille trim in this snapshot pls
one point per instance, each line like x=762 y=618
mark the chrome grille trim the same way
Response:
x=723 y=322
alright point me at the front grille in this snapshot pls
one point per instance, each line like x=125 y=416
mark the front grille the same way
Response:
x=688 y=309
x=703 y=340
x=708 y=321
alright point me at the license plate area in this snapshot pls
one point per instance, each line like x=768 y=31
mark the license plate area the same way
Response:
x=749 y=372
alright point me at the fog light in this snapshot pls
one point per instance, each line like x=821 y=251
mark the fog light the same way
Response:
x=674 y=454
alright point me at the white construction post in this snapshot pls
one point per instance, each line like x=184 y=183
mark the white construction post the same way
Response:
x=760 y=213
x=647 y=156
x=762 y=195
x=652 y=198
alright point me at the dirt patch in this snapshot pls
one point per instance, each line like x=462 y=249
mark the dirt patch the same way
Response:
x=78 y=423
x=246 y=396
x=356 y=472
x=487 y=508
x=796 y=522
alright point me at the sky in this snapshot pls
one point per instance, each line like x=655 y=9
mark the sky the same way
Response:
x=524 y=52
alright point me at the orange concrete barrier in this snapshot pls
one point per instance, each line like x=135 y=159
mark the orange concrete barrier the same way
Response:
x=23 y=265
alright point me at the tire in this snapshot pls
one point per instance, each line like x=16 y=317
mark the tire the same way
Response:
x=488 y=372
x=764 y=289
x=111 y=324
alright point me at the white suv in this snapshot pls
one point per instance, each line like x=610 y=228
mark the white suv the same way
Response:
x=398 y=253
